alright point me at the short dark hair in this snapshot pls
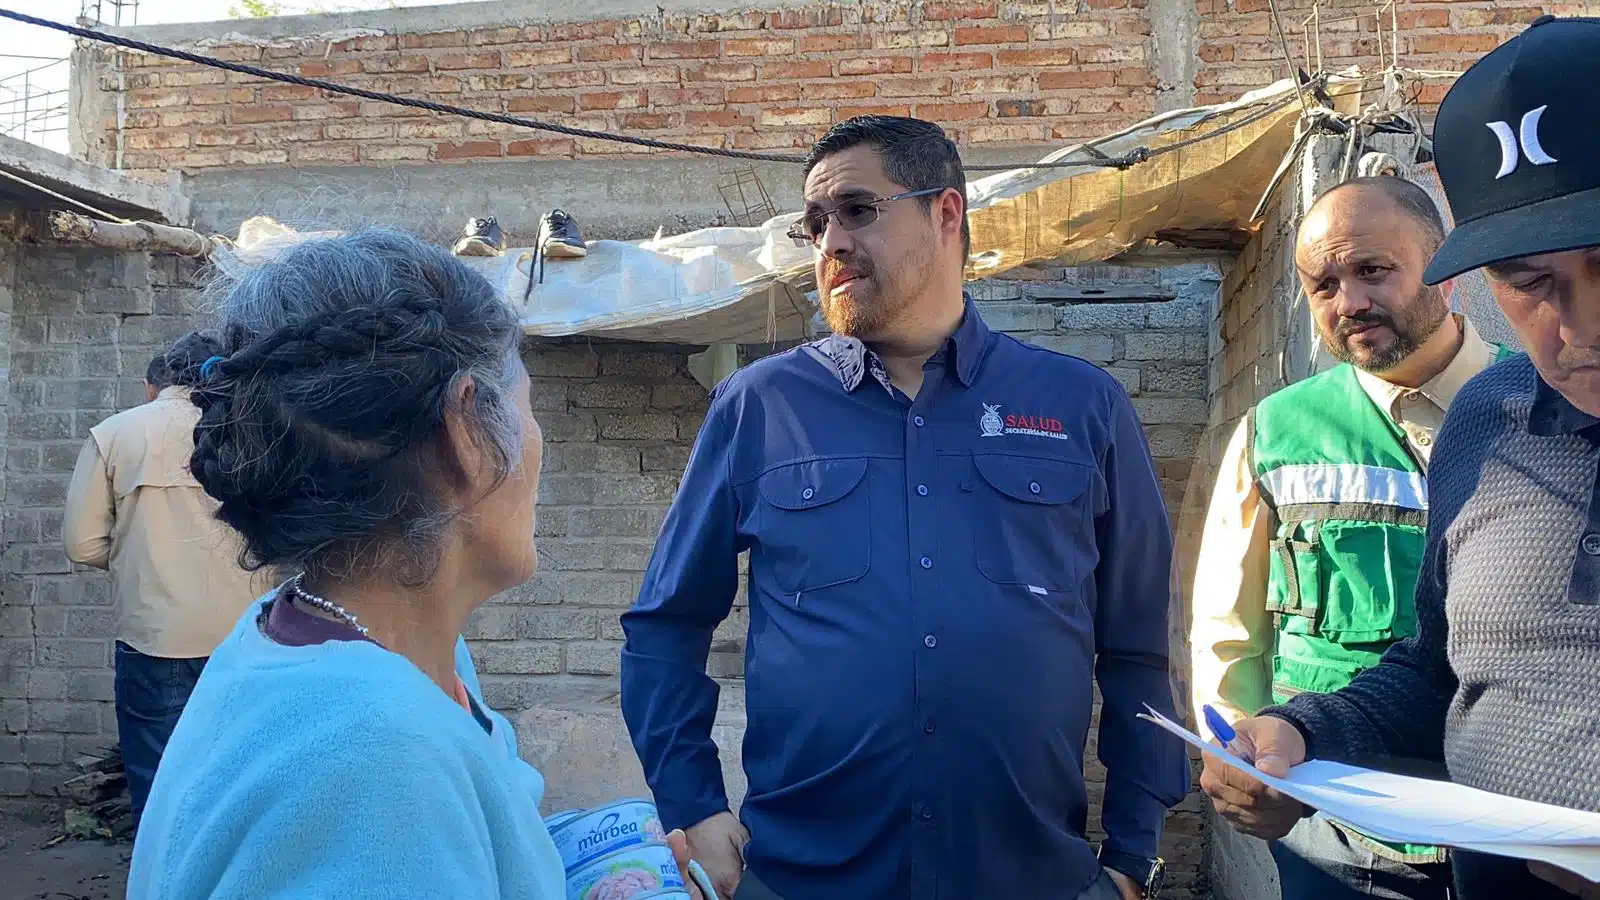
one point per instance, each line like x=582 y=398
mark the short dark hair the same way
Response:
x=916 y=154
x=1408 y=196
x=180 y=364
x=319 y=432
x=157 y=375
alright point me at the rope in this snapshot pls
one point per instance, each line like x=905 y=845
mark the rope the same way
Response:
x=1128 y=160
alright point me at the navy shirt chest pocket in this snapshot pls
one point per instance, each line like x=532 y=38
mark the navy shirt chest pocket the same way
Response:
x=811 y=523
x=1028 y=517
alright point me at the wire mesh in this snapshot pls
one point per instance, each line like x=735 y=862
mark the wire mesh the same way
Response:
x=33 y=102
x=746 y=197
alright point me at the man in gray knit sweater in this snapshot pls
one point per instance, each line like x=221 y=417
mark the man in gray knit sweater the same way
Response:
x=1502 y=680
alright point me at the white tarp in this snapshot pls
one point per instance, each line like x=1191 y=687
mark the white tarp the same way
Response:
x=713 y=285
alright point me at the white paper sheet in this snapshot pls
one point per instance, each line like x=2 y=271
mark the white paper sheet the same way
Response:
x=1421 y=811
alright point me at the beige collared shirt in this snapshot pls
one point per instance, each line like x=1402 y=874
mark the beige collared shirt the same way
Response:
x=134 y=509
x=1232 y=638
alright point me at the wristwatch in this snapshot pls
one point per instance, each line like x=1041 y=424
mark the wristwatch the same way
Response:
x=1149 y=872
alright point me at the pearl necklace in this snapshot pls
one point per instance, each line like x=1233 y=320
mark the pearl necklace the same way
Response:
x=297 y=587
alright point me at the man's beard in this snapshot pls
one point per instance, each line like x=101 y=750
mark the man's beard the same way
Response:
x=1421 y=320
x=868 y=306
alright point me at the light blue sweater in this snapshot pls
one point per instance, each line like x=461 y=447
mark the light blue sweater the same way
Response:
x=339 y=771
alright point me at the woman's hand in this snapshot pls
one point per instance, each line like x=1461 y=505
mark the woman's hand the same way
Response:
x=679 y=842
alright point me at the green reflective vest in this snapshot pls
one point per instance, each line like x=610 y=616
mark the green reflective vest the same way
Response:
x=1351 y=505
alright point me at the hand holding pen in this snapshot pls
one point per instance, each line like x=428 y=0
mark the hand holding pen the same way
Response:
x=1272 y=745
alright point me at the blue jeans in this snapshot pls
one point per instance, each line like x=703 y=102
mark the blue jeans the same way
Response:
x=151 y=692
x=1317 y=861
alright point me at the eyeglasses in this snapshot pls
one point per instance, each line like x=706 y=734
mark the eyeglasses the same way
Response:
x=851 y=214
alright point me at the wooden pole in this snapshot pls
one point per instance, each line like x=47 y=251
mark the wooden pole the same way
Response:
x=135 y=236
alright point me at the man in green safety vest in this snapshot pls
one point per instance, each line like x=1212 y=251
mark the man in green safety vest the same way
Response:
x=1314 y=536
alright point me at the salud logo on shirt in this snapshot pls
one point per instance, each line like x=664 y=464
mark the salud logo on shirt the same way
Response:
x=992 y=424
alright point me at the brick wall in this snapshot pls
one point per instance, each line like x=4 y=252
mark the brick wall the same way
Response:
x=991 y=72
x=750 y=81
x=1239 y=48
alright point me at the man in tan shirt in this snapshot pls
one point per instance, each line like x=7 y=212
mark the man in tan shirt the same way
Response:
x=134 y=509
x=1308 y=558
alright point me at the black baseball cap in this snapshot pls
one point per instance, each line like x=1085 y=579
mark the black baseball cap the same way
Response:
x=1517 y=144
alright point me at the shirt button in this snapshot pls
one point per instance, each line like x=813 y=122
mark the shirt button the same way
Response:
x=1591 y=544
x=928 y=726
x=1033 y=486
x=807 y=494
x=917 y=421
x=927 y=563
x=930 y=641
x=922 y=489
x=927 y=812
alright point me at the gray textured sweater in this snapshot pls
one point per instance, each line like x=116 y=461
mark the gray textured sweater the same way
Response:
x=1502 y=680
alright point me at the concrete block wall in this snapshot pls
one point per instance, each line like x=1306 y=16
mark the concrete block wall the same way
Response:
x=619 y=420
x=770 y=76
x=82 y=326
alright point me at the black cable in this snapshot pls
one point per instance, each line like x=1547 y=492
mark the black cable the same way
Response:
x=1125 y=161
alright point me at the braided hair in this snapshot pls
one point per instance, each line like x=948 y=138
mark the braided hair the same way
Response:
x=321 y=422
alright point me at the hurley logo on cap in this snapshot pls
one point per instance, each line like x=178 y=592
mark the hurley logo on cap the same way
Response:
x=1518 y=149
x=1526 y=140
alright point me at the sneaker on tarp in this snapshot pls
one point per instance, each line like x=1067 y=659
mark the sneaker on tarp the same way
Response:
x=481 y=237
x=559 y=237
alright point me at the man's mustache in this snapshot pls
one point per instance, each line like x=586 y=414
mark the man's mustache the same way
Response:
x=1350 y=324
x=835 y=272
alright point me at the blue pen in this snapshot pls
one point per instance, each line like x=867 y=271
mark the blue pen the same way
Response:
x=1223 y=731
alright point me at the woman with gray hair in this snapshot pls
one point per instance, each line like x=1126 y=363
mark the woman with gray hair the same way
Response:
x=367 y=431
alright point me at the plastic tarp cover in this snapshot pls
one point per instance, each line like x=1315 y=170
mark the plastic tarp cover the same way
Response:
x=712 y=285
x=1084 y=215
x=1206 y=171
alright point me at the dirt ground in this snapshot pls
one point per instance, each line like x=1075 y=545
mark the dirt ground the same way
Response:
x=68 y=870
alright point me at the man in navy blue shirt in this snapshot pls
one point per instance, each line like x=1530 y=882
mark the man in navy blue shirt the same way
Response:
x=948 y=530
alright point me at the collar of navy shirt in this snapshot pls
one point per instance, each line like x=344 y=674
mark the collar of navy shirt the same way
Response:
x=1553 y=414
x=850 y=358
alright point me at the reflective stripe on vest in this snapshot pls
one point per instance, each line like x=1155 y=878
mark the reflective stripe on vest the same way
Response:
x=1345 y=483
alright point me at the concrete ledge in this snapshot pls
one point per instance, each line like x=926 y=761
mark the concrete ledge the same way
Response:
x=582 y=749
x=103 y=189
